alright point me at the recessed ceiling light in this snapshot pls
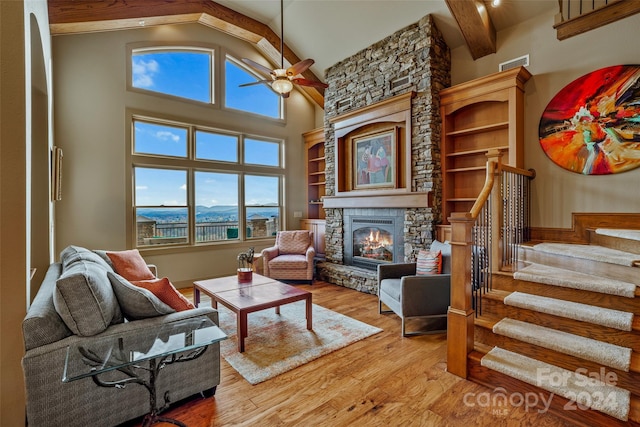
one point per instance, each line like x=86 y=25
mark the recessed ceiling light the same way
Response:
x=495 y=3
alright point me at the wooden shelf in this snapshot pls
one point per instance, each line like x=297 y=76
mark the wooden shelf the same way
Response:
x=476 y=151
x=315 y=173
x=317 y=159
x=475 y=168
x=479 y=116
x=479 y=129
x=317 y=183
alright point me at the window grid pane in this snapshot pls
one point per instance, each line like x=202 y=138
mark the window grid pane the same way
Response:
x=257 y=152
x=163 y=140
x=186 y=74
x=262 y=205
x=216 y=146
x=216 y=206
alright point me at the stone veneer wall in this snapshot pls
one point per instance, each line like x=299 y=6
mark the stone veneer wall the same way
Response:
x=420 y=54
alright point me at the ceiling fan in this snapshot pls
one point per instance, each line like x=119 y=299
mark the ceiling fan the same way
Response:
x=281 y=80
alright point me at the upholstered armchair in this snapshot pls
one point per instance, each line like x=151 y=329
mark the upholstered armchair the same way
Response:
x=291 y=258
x=413 y=296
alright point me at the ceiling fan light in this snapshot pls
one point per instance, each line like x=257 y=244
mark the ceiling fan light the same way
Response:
x=282 y=85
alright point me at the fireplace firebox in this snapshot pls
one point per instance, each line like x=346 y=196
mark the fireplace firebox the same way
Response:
x=373 y=236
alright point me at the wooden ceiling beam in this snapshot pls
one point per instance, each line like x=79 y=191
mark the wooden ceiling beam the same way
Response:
x=476 y=26
x=83 y=16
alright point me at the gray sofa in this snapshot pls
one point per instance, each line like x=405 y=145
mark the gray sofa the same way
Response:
x=55 y=320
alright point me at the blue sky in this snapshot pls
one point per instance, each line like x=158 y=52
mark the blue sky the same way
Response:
x=188 y=75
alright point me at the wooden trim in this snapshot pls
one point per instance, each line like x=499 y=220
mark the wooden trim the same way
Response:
x=375 y=111
x=596 y=18
x=82 y=16
x=369 y=199
x=582 y=223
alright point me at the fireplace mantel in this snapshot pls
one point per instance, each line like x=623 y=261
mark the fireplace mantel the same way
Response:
x=379 y=200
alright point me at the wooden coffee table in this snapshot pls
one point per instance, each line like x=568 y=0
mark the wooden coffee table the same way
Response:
x=244 y=298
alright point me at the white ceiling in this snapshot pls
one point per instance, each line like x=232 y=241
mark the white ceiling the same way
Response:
x=331 y=30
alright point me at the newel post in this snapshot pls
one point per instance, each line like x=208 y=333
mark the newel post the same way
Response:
x=496 y=215
x=460 y=316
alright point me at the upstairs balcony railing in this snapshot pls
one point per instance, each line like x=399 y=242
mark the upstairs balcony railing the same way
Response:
x=579 y=16
x=484 y=241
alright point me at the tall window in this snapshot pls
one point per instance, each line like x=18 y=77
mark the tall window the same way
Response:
x=196 y=185
x=188 y=73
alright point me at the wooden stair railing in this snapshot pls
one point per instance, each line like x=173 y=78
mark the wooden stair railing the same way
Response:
x=484 y=225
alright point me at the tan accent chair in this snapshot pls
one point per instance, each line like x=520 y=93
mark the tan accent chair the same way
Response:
x=291 y=258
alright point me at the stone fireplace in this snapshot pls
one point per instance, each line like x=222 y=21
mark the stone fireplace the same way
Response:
x=411 y=65
x=373 y=236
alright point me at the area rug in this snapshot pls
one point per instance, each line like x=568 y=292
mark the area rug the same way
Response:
x=279 y=343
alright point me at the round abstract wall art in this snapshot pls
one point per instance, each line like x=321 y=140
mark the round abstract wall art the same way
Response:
x=592 y=126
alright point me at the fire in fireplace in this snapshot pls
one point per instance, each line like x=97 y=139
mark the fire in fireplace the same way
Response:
x=373 y=236
x=373 y=243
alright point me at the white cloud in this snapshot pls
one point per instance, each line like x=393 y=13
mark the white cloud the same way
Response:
x=143 y=72
x=166 y=135
x=141 y=187
x=183 y=187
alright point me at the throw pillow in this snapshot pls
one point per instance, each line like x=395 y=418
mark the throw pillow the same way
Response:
x=130 y=265
x=445 y=249
x=166 y=292
x=136 y=302
x=428 y=262
x=85 y=300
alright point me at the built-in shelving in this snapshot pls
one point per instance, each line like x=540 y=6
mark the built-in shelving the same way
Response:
x=315 y=170
x=478 y=116
x=316 y=187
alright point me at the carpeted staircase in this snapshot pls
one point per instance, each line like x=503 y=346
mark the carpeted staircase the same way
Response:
x=565 y=324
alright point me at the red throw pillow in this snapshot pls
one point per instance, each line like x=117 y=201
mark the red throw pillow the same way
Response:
x=130 y=265
x=166 y=292
x=428 y=262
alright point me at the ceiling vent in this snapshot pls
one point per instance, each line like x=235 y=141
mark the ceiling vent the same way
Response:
x=522 y=61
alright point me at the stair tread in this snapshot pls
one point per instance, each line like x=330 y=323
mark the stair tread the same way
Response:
x=589 y=252
x=611 y=318
x=556 y=276
x=607 y=354
x=628 y=234
x=596 y=394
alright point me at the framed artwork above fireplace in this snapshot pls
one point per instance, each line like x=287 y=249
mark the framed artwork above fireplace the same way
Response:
x=374 y=159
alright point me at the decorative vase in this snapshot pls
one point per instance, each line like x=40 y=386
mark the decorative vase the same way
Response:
x=245 y=275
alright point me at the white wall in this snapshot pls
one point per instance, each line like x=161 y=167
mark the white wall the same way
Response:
x=90 y=126
x=557 y=193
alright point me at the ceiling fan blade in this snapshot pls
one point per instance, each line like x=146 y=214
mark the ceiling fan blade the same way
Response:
x=267 y=82
x=258 y=67
x=299 y=67
x=312 y=83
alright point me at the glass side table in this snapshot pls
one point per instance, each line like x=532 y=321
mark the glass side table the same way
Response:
x=166 y=344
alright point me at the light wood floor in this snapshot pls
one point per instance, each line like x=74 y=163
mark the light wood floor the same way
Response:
x=383 y=380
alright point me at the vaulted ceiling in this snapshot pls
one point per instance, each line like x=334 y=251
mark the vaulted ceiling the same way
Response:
x=325 y=30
